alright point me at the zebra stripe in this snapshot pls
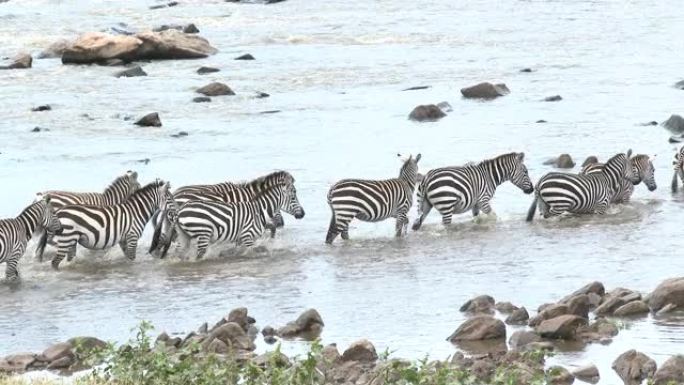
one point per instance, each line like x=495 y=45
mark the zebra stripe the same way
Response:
x=372 y=200
x=557 y=193
x=678 y=165
x=643 y=169
x=101 y=227
x=455 y=190
x=209 y=222
x=16 y=232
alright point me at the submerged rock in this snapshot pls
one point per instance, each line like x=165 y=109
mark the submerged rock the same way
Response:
x=187 y=28
x=479 y=328
x=45 y=107
x=426 y=113
x=247 y=56
x=675 y=123
x=202 y=99
x=167 y=5
x=308 y=326
x=679 y=85
x=562 y=161
x=634 y=367
x=207 y=70
x=21 y=61
x=554 y=98
x=149 y=120
x=131 y=72
x=589 y=373
x=479 y=304
x=522 y=338
x=485 y=91
x=670 y=291
x=215 y=89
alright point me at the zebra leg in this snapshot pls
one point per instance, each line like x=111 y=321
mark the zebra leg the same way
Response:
x=131 y=247
x=423 y=210
x=202 y=245
x=42 y=242
x=401 y=224
x=122 y=245
x=332 y=229
x=476 y=210
x=71 y=253
x=64 y=247
x=11 y=272
x=278 y=220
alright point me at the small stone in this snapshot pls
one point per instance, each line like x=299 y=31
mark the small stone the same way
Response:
x=541 y=121
x=39 y=129
x=270 y=112
x=679 y=85
x=191 y=28
x=268 y=331
x=589 y=373
x=485 y=91
x=651 y=123
x=149 y=120
x=362 y=351
x=554 y=98
x=526 y=70
x=45 y=107
x=201 y=99
x=270 y=340
x=246 y=56
x=426 y=113
x=416 y=88
x=131 y=72
x=180 y=134
x=215 y=89
x=261 y=95
x=207 y=70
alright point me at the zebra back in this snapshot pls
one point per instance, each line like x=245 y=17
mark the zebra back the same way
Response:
x=233 y=192
x=117 y=192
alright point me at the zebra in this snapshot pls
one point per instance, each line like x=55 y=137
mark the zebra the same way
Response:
x=678 y=165
x=101 y=227
x=243 y=222
x=557 y=192
x=16 y=232
x=225 y=192
x=117 y=192
x=643 y=170
x=455 y=190
x=372 y=200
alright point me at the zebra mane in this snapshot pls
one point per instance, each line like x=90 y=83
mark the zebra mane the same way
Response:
x=268 y=179
x=120 y=179
x=483 y=162
x=265 y=191
x=150 y=186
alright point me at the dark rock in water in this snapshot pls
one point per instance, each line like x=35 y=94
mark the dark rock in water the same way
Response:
x=426 y=113
x=634 y=367
x=180 y=134
x=45 y=107
x=21 y=61
x=143 y=161
x=261 y=95
x=679 y=85
x=131 y=72
x=270 y=112
x=589 y=373
x=202 y=99
x=39 y=129
x=554 y=98
x=416 y=88
x=54 y=50
x=308 y=326
x=485 y=91
x=590 y=160
x=518 y=317
x=670 y=372
x=362 y=351
x=167 y=5
x=479 y=304
x=187 y=28
x=268 y=331
x=190 y=28
x=676 y=139
x=541 y=121
x=675 y=123
x=207 y=70
x=526 y=70
x=247 y=56
x=150 y=120
x=651 y=123
x=563 y=161
x=562 y=327
x=479 y=328
x=445 y=106
x=215 y=89
x=670 y=291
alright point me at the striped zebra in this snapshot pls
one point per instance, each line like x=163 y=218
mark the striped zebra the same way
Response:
x=243 y=222
x=372 y=200
x=643 y=170
x=117 y=192
x=678 y=165
x=455 y=190
x=557 y=193
x=16 y=232
x=101 y=227
x=225 y=192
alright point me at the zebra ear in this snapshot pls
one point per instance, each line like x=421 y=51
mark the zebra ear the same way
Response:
x=629 y=153
x=133 y=175
x=520 y=156
x=46 y=198
x=418 y=158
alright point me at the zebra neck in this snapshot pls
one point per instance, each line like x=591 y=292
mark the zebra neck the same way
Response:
x=496 y=172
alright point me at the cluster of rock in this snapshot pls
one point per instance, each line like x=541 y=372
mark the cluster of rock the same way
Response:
x=65 y=357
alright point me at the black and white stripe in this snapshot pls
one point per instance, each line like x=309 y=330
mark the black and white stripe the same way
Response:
x=455 y=190
x=372 y=200
x=209 y=222
x=16 y=232
x=678 y=165
x=101 y=227
x=558 y=193
x=643 y=169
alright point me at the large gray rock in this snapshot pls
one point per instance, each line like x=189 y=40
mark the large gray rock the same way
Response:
x=631 y=309
x=485 y=91
x=362 y=351
x=518 y=317
x=522 y=338
x=308 y=326
x=670 y=372
x=232 y=335
x=589 y=373
x=479 y=328
x=16 y=363
x=634 y=367
x=671 y=291
x=562 y=327
x=215 y=89
x=479 y=304
x=21 y=61
x=426 y=113
x=675 y=123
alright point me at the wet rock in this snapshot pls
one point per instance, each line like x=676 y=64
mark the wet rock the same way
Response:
x=149 y=120
x=518 y=317
x=554 y=98
x=54 y=50
x=247 y=56
x=526 y=70
x=579 y=305
x=97 y=47
x=240 y=317
x=549 y=312
x=416 y=88
x=505 y=307
x=131 y=72
x=589 y=373
x=479 y=328
x=261 y=95
x=203 y=329
x=362 y=351
x=187 y=28
x=670 y=372
x=634 y=367
x=167 y=5
x=21 y=61
x=45 y=107
x=17 y=363
x=215 y=89
x=609 y=305
x=541 y=121
x=595 y=287
x=562 y=327
x=61 y=363
x=201 y=99
x=666 y=309
x=56 y=351
x=670 y=291
x=631 y=309
x=207 y=70
x=330 y=353
x=675 y=123
x=485 y=91
x=232 y=335
x=308 y=325
x=172 y=44
x=522 y=338
x=558 y=375
x=180 y=134
x=479 y=304
x=270 y=340
x=590 y=160
x=268 y=331
x=143 y=161
x=217 y=346
x=545 y=306
x=594 y=300
x=426 y=113
x=86 y=345
x=563 y=161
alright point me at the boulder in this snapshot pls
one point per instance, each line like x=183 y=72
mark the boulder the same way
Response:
x=86 y=345
x=61 y=363
x=247 y=56
x=149 y=120
x=518 y=317
x=592 y=287
x=232 y=335
x=479 y=304
x=479 y=328
x=96 y=47
x=522 y=338
x=485 y=91
x=308 y=325
x=172 y=44
x=55 y=49
x=201 y=99
x=56 y=351
x=558 y=375
x=549 y=312
x=187 y=28
x=362 y=351
x=240 y=317
x=634 y=367
x=670 y=372
x=591 y=159
x=554 y=98
x=131 y=72
x=16 y=363
x=631 y=309
x=675 y=123
x=562 y=327
x=426 y=113
x=563 y=161
x=589 y=373
x=670 y=291
x=21 y=61
x=505 y=307
x=207 y=70
x=579 y=305
x=215 y=89
x=45 y=107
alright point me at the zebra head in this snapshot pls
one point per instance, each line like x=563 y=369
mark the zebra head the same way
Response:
x=409 y=171
x=620 y=167
x=520 y=177
x=291 y=202
x=49 y=220
x=644 y=170
x=678 y=165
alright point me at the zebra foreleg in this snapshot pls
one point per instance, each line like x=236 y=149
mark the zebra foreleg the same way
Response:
x=401 y=224
x=278 y=220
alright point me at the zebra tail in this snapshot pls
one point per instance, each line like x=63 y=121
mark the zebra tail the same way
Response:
x=330 y=236
x=156 y=237
x=533 y=209
x=42 y=242
x=675 y=182
x=167 y=246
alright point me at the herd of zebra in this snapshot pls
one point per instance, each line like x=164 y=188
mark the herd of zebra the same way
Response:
x=242 y=212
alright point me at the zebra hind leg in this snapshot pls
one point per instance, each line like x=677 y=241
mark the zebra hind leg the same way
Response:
x=423 y=210
x=332 y=229
x=401 y=225
x=64 y=247
x=131 y=247
x=11 y=271
x=202 y=245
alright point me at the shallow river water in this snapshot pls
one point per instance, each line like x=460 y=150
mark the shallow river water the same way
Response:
x=335 y=69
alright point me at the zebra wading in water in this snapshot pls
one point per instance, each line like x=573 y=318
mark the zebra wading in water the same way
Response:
x=226 y=192
x=101 y=227
x=643 y=169
x=210 y=222
x=558 y=193
x=372 y=200
x=117 y=192
x=16 y=232
x=455 y=190
x=678 y=165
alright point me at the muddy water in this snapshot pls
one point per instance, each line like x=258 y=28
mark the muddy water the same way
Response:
x=336 y=69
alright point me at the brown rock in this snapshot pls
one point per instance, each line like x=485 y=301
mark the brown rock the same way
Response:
x=505 y=307
x=57 y=351
x=670 y=372
x=149 y=120
x=479 y=304
x=589 y=373
x=21 y=61
x=232 y=335
x=558 y=375
x=308 y=326
x=17 y=363
x=632 y=308
x=61 y=363
x=522 y=338
x=485 y=91
x=479 y=328
x=579 y=305
x=634 y=367
x=96 y=47
x=561 y=327
x=593 y=287
x=217 y=346
x=426 y=113
x=362 y=351
x=215 y=89
x=240 y=317
x=549 y=312
x=172 y=44
x=518 y=317
x=330 y=353
x=670 y=291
